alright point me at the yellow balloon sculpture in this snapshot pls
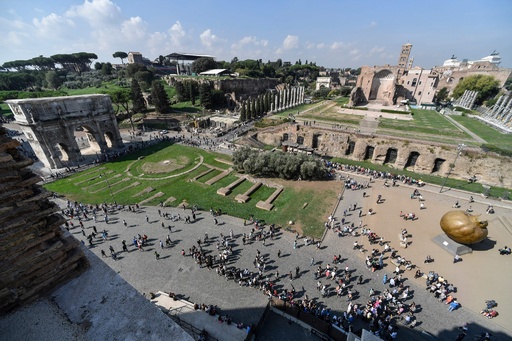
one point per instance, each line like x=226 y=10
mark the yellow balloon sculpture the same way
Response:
x=463 y=228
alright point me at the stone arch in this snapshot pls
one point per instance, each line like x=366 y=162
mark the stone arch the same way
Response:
x=109 y=139
x=368 y=154
x=411 y=160
x=286 y=137
x=350 y=148
x=300 y=139
x=382 y=83
x=51 y=122
x=438 y=163
x=391 y=155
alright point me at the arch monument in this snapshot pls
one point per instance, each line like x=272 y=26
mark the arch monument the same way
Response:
x=50 y=124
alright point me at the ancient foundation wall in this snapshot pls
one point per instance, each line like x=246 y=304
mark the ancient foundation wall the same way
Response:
x=417 y=156
x=35 y=255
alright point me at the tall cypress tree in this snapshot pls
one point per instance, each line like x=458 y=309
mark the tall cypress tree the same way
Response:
x=138 y=102
x=243 y=117
x=160 y=98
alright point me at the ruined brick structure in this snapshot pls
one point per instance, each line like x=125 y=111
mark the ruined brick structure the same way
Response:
x=35 y=254
x=414 y=155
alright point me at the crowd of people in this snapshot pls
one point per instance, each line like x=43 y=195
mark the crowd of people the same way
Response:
x=381 y=311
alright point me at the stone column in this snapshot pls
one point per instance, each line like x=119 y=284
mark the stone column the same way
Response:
x=497 y=105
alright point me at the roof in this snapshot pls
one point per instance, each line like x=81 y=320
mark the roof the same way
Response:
x=216 y=72
x=187 y=56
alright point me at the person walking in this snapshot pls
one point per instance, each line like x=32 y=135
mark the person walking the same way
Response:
x=312 y=261
x=157 y=255
x=294 y=244
x=279 y=254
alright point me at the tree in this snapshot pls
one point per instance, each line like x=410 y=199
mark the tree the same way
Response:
x=442 y=95
x=487 y=87
x=106 y=69
x=138 y=102
x=160 y=98
x=243 y=116
x=205 y=95
x=120 y=54
x=203 y=64
x=53 y=80
x=121 y=98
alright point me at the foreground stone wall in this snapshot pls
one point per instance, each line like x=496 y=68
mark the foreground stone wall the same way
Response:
x=417 y=156
x=35 y=256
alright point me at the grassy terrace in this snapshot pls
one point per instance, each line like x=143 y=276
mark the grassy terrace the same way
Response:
x=155 y=166
x=489 y=134
x=424 y=122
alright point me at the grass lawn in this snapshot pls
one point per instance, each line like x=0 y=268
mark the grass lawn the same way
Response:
x=89 y=187
x=425 y=122
x=342 y=100
x=486 y=132
x=6 y=112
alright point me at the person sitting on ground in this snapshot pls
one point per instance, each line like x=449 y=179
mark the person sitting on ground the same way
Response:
x=489 y=313
x=418 y=274
x=456 y=205
x=505 y=251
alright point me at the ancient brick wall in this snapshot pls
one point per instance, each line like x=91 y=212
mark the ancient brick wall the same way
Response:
x=398 y=153
x=35 y=255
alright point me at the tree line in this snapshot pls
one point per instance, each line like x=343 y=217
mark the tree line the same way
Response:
x=278 y=164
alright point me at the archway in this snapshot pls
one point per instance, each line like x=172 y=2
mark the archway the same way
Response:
x=350 y=148
x=381 y=83
x=61 y=151
x=109 y=139
x=300 y=139
x=391 y=155
x=67 y=128
x=437 y=164
x=369 y=152
x=411 y=160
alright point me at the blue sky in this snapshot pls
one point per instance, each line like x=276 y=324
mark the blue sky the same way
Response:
x=331 y=33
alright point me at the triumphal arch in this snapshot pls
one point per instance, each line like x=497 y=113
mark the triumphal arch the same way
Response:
x=50 y=125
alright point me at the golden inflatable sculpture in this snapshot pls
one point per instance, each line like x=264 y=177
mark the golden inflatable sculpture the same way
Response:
x=463 y=227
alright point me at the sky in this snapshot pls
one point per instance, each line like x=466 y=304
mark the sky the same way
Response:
x=331 y=33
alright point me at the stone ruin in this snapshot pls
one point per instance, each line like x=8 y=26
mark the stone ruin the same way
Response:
x=467 y=100
x=395 y=152
x=35 y=253
x=500 y=114
x=50 y=123
x=288 y=98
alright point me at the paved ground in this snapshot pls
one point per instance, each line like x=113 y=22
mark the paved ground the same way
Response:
x=475 y=279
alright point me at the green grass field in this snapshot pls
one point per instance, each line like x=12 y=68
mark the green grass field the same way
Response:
x=94 y=185
x=427 y=122
x=489 y=134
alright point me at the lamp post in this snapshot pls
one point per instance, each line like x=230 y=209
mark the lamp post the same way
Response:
x=109 y=188
x=460 y=149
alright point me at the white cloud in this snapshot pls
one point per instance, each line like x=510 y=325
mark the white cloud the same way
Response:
x=354 y=52
x=208 y=39
x=96 y=12
x=134 y=28
x=177 y=35
x=52 y=25
x=248 y=43
x=373 y=24
x=320 y=46
x=290 y=42
x=338 y=45
x=376 y=49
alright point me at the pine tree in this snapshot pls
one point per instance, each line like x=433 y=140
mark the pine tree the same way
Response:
x=205 y=95
x=138 y=102
x=160 y=98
